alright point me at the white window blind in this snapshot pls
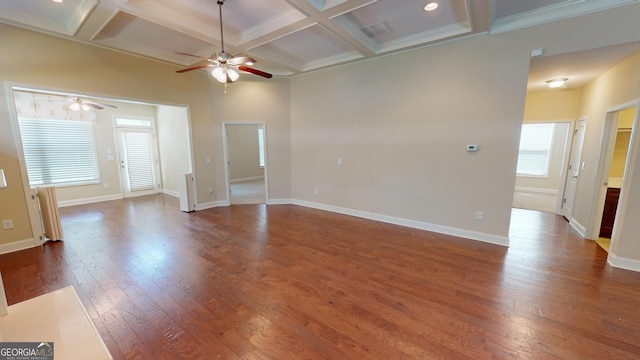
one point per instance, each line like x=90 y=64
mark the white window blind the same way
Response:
x=535 y=149
x=139 y=155
x=59 y=152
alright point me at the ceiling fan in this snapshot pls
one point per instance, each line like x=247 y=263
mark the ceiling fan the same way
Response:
x=225 y=64
x=77 y=103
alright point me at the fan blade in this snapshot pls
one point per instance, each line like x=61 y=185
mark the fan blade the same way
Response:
x=193 y=68
x=255 y=71
x=240 y=60
x=101 y=104
x=92 y=105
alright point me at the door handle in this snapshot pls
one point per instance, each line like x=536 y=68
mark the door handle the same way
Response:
x=575 y=176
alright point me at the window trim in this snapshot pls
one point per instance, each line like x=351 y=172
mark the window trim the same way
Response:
x=96 y=161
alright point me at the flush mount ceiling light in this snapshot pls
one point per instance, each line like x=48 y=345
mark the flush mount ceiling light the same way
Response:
x=556 y=83
x=431 y=6
x=225 y=64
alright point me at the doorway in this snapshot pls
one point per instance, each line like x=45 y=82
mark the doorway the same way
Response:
x=245 y=162
x=138 y=159
x=618 y=130
x=573 y=170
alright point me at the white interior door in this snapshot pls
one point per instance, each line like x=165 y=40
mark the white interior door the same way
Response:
x=137 y=151
x=573 y=170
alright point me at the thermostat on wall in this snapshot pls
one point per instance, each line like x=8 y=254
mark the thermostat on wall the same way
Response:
x=472 y=148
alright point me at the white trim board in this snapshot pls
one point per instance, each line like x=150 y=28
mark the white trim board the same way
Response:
x=623 y=263
x=239 y=180
x=536 y=190
x=64 y=203
x=17 y=246
x=467 y=234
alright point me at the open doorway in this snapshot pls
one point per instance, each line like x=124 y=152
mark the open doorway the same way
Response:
x=615 y=153
x=541 y=171
x=92 y=170
x=245 y=160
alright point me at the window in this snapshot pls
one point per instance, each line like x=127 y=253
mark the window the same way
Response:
x=133 y=122
x=59 y=152
x=535 y=149
x=261 y=145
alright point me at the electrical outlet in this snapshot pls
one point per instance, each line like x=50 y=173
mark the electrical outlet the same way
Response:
x=479 y=215
x=317 y=191
x=7 y=224
x=210 y=191
x=105 y=185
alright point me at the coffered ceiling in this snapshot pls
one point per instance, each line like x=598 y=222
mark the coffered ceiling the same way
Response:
x=287 y=37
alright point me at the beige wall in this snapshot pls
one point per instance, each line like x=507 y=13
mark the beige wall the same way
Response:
x=402 y=134
x=243 y=152
x=253 y=99
x=626 y=118
x=174 y=145
x=619 y=160
x=556 y=105
x=617 y=86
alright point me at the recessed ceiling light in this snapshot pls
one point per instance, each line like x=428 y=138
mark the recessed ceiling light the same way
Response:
x=556 y=83
x=431 y=6
x=58 y=1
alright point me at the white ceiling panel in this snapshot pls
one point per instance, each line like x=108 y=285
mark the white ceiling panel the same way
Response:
x=308 y=49
x=286 y=37
x=390 y=25
x=143 y=37
x=61 y=18
x=322 y=5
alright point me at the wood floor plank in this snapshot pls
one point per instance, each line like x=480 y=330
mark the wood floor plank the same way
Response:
x=288 y=282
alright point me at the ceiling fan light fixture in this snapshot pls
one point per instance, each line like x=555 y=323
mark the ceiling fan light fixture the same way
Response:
x=556 y=83
x=221 y=73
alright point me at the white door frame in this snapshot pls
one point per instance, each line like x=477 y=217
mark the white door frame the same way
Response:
x=225 y=150
x=568 y=144
x=607 y=143
x=35 y=219
x=563 y=205
x=120 y=145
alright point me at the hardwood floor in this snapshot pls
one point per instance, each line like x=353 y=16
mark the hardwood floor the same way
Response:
x=288 y=282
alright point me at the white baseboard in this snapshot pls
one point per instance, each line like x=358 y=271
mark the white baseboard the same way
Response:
x=89 y=200
x=233 y=181
x=280 y=202
x=473 y=235
x=579 y=227
x=212 y=204
x=623 y=263
x=171 y=193
x=18 y=245
x=536 y=190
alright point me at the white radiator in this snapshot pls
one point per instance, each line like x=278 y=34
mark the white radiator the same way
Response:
x=187 y=192
x=50 y=214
